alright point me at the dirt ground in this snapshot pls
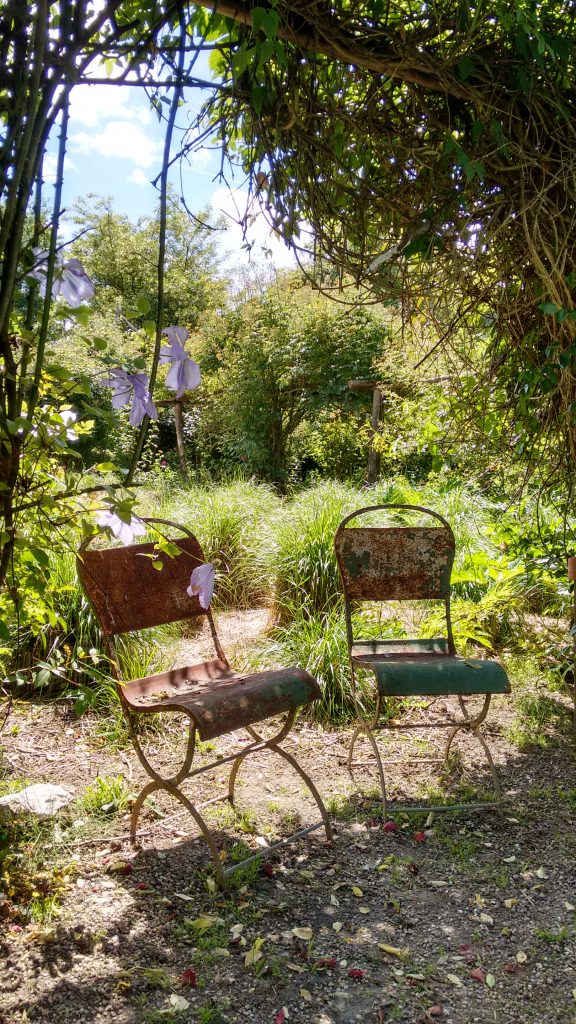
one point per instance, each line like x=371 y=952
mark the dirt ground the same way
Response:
x=467 y=917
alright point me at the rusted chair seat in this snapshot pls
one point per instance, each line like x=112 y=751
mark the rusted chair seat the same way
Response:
x=410 y=563
x=129 y=593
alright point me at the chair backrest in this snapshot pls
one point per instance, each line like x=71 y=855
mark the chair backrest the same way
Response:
x=128 y=593
x=395 y=563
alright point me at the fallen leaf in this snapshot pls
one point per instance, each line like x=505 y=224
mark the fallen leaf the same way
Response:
x=478 y=974
x=541 y=873
x=479 y=900
x=355 y=973
x=419 y=837
x=280 y=1017
x=326 y=961
x=569 y=906
x=511 y=902
x=363 y=910
x=393 y=950
x=455 y=980
x=184 y=896
x=486 y=919
x=521 y=957
x=438 y=883
x=334 y=900
x=356 y=890
x=297 y=968
x=303 y=933
x=509 y=860
x=490 y=980
x=178 y=1002
x=306 y=995
x=434 y=1011
x=188 y=977
x=390 y=826
x=337 y=926
x=429 y=819
x=236 y=930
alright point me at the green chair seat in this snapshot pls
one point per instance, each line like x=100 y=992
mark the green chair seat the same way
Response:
x=425 y=668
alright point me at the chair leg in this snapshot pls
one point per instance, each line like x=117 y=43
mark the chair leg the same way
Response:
x=365 y=726
x=170 y=788
x=273 y=745
x=473 y=726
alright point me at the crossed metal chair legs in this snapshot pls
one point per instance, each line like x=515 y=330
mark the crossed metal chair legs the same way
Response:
x=468 y=723
x=172 y=786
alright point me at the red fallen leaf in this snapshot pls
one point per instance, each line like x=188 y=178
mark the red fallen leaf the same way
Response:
x=143 y=887
x=267 y=870
x=464 y=947
x=478 y=975
x=121 y=867
x=280 y=1017
x=188 y=977
x=326 y=961
x=434 y=1011
x=511 y=968
x=419 y=837
x=355 y=973
x=390 y=826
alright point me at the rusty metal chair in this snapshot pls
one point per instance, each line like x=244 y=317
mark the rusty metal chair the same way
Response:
x=410 y=563
x=128 y=594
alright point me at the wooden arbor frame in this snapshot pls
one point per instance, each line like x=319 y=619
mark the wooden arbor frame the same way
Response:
x=407 y=563
x=129 y=594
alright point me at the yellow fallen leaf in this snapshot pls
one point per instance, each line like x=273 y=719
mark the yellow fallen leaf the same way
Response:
x=297 y=968
x=509 y=860
x=337 y=926
x=306 y=995
x=178 y=1002
x=363 y=910
x=393 y=950
x=303 y=933
x=455 y=980
x=357 y=891
x=541 y=873
x=490 y=980
x=479 y=900
x=252 y=956
x=511 y=902
x=521 y=957
x=486 y=919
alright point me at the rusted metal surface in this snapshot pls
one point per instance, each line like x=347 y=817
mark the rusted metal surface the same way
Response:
x=220 y=700
x=128 y=593
x=395 y=563
x=407 y=563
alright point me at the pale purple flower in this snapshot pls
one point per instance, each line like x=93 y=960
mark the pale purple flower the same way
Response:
x=125 y=532
x=184 y=374
x=70 y=280
x=134 y=387
x=202 y=584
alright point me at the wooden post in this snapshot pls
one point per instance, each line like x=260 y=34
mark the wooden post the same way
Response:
x=367 y=386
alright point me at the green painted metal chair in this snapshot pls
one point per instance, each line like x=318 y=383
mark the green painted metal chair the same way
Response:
x=410 y=563
x=129 y=593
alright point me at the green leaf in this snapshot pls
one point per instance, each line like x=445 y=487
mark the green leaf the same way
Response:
x=142 y=305
x=549 y=307
x=99 y=344
x=106 y=467
x=466 y=67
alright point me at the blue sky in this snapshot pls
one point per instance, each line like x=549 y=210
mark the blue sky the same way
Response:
x=115 y=149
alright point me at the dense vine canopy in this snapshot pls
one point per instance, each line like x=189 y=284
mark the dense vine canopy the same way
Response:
x=431 y=150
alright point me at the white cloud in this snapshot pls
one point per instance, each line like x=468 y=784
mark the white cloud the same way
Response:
x=138 y=177
x=91 y=105
x=265 y=244
x=121 y=139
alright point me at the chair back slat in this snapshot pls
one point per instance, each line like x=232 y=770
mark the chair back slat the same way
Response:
x=395 y=563
x=128 y=593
